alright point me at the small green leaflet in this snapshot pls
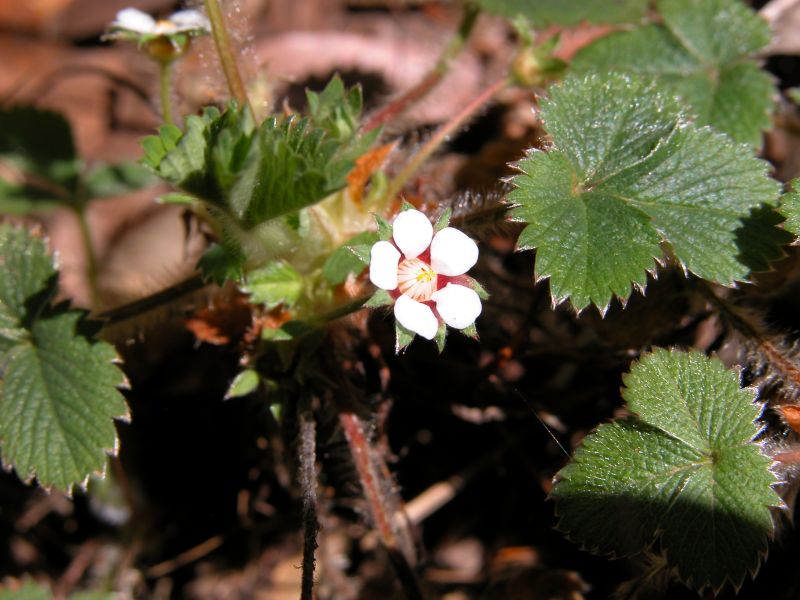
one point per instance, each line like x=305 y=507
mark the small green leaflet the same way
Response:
x=790 y=207
x=685 y=473
x=704 y=53
x=277 y=283
x=59 y=397
x=352 y=257
x=543 y=13
x=625 y=174
x=243 y=384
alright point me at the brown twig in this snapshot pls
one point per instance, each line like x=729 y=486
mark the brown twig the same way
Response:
x=433 y=78
x=184 y=558
x=307 y=477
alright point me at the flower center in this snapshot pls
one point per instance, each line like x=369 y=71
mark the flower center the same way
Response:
x=416 y=279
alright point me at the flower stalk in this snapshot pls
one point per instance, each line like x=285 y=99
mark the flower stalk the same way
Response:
x=226 y=55
x=165 y=91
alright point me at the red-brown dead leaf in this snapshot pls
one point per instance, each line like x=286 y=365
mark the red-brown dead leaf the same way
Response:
x=365 y=167
x=227 y=318
x=791 y=415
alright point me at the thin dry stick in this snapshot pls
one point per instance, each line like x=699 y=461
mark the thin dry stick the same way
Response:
x=370 y=482
x=307 y=477
x=396 y=185
x=226 y=56
x=433 y=78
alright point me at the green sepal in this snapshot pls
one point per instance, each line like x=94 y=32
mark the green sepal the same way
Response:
x=403 y=337
x=471 y=331
x=349 y=258
x=246 y=382
x=441 y=337
x=385 y=229
x=379 y=299
x=443 y=220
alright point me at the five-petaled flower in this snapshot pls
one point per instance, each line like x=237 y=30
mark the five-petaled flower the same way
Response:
x=165 y=39
x=425 y=275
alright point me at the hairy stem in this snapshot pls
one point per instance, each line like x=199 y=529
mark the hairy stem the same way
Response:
x=307 y=477
x=753 y=332
x=434 y=76
x=396 y=185
x=369 y=476
x=165 y=90
x=226 y=55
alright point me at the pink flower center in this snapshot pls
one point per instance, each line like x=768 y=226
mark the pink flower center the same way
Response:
x=416 y=279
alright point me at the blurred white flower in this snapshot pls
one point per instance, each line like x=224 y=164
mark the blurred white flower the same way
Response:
x=425 y=275
x=131 y=23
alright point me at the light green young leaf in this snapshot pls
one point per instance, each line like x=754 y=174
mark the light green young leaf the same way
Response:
x=685 y=473
x=627 y=172
x=704 y=53
x=58 y=397
x=277 y=283
x=352 y=257
x=243 y=384
x=543 y=13
x=790 y=207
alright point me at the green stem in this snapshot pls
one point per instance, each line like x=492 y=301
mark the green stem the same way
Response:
x=165 y=84
x=226 y=55
x=397 y=184
x=436 y=74
x=91 y=257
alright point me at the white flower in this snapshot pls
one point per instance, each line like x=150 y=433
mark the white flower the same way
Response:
x=425 y=274
x=135 y=24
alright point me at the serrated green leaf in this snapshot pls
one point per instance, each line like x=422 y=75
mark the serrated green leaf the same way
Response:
x=105 y=181
x=58 y=396
x=277 y=283
x=790 y=207
x=685 y=473
x=543 y=13
x=243 y=384
x=220 y=264
x=351 y=257
x=626 y=173
x=336 y=109
x=703 y=53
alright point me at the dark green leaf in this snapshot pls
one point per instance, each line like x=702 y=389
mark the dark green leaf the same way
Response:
x=626 y=173
x=58 y=397
x=703 y=53
x=686 y=473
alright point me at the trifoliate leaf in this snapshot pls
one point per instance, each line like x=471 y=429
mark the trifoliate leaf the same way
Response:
x=351 y=257
x=626 y=172
x=543 y=13
x=790 y=207
x=58 y=396
x=703 y=53
x=277 y=283
x=685 y=473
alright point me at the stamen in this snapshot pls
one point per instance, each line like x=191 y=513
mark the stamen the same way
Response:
x=416 y=279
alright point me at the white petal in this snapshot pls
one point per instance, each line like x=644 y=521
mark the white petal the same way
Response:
x=458 y=305
x=412 y=232
x=416 y=316
x=133 y=19
x=190 y=20
x=453 y=252
x=383 y=259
